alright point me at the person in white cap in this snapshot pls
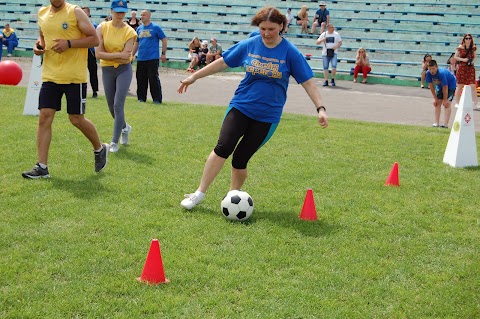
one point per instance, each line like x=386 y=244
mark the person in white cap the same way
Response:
x=321 y=18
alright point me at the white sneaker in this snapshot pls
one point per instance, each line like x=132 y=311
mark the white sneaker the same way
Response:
x=113 y=147
x=124 y=136
x=190 y=201
x=9 y=55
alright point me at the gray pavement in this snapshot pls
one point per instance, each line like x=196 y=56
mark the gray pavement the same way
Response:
x=348 y=100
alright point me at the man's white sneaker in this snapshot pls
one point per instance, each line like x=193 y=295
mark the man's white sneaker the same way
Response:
x=125 y=133
x=190 y=201
x=113 y=147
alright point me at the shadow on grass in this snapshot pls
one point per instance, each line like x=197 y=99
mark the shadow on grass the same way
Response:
x=137 y=157
x=86 y=188
x=284 y=219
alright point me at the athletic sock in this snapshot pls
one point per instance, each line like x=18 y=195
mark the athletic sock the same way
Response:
x=200 y=195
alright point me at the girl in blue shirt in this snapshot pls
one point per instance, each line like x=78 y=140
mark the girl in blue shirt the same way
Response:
x=256 y=107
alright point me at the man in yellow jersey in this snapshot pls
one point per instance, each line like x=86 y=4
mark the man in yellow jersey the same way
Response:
x=66 y=33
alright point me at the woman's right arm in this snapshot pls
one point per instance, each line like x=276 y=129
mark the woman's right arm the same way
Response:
x=214 y=67
x=457 y=55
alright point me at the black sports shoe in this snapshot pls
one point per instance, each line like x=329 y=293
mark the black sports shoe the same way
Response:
x=101 y=158
x=36 y=172
x=94 y=95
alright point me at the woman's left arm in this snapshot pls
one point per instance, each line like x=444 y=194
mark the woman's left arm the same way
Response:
x=314 y=94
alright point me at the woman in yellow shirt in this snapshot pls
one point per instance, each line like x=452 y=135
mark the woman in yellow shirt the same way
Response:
x=115 y=54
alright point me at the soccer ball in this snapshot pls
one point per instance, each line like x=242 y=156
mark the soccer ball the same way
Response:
x=237 y=206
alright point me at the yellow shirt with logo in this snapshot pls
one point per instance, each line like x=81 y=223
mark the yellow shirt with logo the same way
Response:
x=114 y=40
x=71 y=65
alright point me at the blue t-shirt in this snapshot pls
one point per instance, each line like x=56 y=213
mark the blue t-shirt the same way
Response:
x=442 y=78
x=261 y=95
x=254 y=33
x=95 y=26
x=148 y=42
x=322 y=15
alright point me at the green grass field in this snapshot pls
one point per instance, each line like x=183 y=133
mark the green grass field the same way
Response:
x=72 y=246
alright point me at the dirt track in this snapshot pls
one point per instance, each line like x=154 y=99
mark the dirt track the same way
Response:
x=348 y=100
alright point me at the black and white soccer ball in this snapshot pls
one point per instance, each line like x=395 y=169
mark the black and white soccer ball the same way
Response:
x=237 y=205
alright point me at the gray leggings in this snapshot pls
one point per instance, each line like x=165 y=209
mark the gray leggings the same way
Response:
x=116 y=82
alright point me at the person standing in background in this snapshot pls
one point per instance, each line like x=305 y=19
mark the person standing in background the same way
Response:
x=147 y=47
x=442 y=84
x=92 y=60
x=64 y=72
x=115 y=53
x=133 y=21
x=331 y=40
x=466 y=54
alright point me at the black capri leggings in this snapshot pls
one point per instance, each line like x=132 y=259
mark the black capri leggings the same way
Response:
x=235 y=126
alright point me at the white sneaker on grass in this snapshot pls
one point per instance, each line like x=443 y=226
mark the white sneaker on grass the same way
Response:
x=192 y=200
x=113 y=147
x=125 y=133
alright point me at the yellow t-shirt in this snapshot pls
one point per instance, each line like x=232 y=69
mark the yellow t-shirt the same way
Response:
x=71 y=65
x=114 y=40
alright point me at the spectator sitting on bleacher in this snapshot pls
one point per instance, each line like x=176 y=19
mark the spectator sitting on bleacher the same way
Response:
x=362 y=64
x=452 y=64
x=466 y=54
x=9 y=39
x=321 y=18
x=426 y=58
x=193 y=49
x=215 y=51
x=442 y=85
x=302 y=19
x=289 y=16
x=202 y=54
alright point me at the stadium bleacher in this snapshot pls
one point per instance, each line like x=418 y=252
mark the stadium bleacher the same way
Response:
x=395 y=33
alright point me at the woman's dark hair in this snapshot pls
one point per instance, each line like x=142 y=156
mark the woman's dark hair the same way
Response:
x=448 y=61
x=426 y=56
x=270 y=14
x=472 y=43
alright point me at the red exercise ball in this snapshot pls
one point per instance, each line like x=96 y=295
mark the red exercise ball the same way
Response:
x=10 y=72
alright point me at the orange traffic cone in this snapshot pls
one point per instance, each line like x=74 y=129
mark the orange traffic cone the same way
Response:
x=308 y=210
x=393 y=177
x=153 y=272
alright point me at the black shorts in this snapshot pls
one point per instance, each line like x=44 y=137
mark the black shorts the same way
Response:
x=51 y=94
x=253 y=134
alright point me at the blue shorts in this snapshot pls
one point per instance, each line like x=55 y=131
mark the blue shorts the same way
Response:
x=51 y=94
x=439 y=93
x=327 y=60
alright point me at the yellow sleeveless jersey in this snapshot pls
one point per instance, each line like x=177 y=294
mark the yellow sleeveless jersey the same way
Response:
x=71 y=65
x=114 y=40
